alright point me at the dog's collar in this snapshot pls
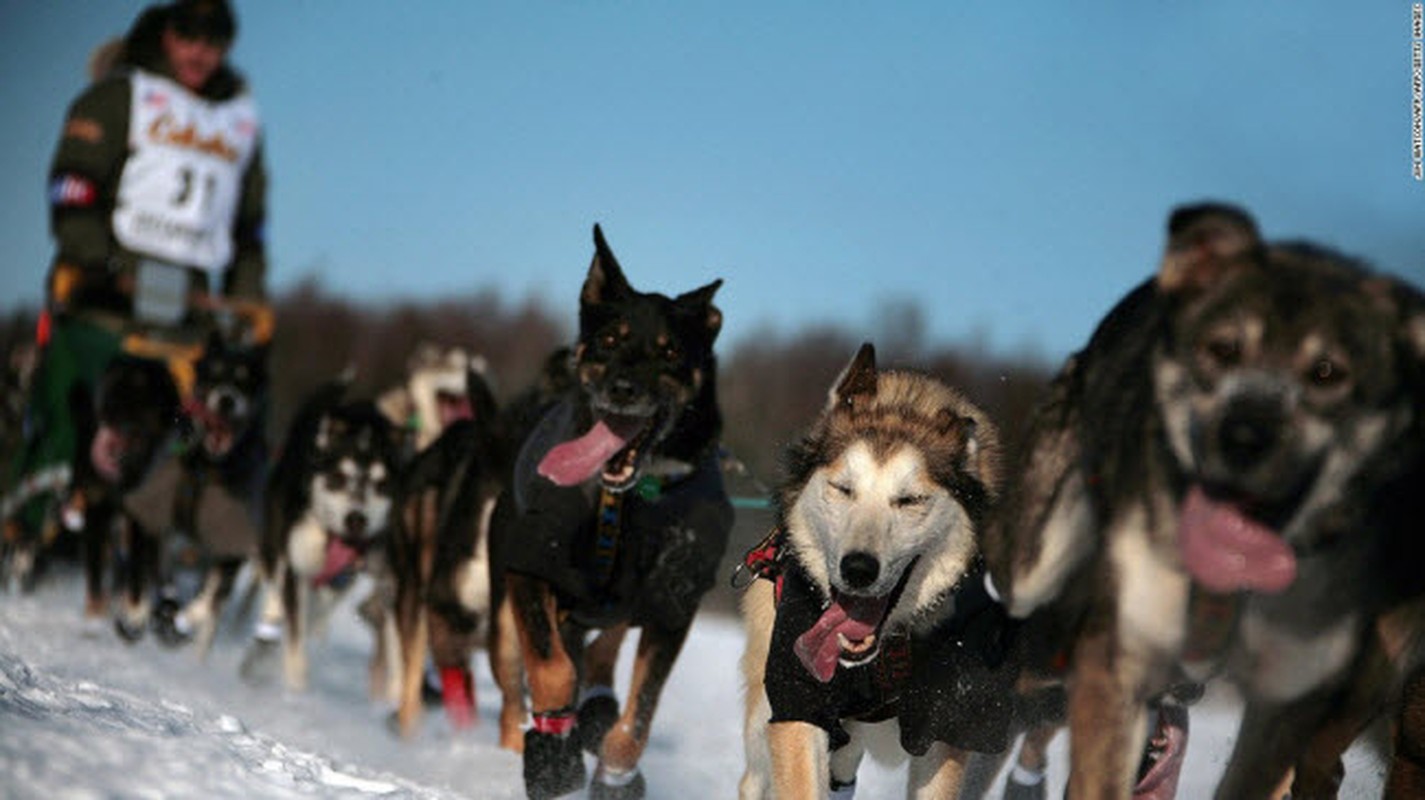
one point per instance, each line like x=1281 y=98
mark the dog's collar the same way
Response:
x=1211 y=623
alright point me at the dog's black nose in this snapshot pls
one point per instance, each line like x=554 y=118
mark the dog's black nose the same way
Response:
x=1249 y=430
x=355 y=523
x=859 y=570
x=622 y=391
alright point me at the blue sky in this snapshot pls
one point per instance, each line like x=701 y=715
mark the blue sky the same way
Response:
x=1005 y=167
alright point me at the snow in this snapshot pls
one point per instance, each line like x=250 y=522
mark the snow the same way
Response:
x=84 y=715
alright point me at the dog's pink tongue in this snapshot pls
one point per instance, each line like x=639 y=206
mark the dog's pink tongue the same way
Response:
x=1226 y=551
x=340 y=557
x=105 y=451
x=575 y=461
x=819 y=649
x=452 y=407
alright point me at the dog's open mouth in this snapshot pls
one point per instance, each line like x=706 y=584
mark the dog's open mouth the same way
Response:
x=1162 y=762
x=612 y=449
x=848 y=633
x=108 y=452
x=218 y=436
x=1227 y=550
x=452 y=406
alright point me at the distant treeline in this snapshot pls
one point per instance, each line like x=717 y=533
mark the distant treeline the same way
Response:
x=771 y=385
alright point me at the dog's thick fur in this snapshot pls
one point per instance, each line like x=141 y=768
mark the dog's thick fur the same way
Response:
x=329 y=509
x=1224 y=442
x=586 y=538
x=883 y=507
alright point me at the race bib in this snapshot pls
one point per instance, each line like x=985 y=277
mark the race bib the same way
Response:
x=179 y=190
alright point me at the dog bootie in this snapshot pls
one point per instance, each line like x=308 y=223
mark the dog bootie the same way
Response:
x=553 y=762
x=169 y=624
x=611 y=785
x=1024 y=784
x=598 y=712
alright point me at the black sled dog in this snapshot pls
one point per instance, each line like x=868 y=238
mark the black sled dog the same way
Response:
x=616 y=516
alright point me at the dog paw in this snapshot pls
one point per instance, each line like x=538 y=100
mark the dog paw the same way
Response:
x=1022 y=788
x=170 y=626
x=612 y=785
x=553 y=765
x=259 y=663
x=597 y=714
x=128 y=630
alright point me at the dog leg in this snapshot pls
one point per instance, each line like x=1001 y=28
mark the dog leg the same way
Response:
x=622 y=747
x=844 y=762
x=553 y=764
x=140 y=570
x=258 y=663
x=1407 y=767
x=508 y=669
x=412 y=625
x=296 y=597
x=386 y=660
x=801 y=768
x=758 y=607
x=451 y=650
x=1319 y=771
x=1107 y=720
x=598 y=703
x=96 y=545
x=1269 y=742
x=197 y=620
x=938 y=773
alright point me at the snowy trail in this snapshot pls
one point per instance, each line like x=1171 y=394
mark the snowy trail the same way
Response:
x=83 y=715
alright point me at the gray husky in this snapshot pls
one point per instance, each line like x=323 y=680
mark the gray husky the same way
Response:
x=1207 y=491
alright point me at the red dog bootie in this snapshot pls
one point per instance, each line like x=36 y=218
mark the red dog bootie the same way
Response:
x=553 y=760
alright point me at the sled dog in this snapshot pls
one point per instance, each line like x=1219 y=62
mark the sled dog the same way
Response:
x=876 y=625
x=615 y=517
x=1208 y=491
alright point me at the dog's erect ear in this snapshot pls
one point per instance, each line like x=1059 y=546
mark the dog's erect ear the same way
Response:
x=1204 y=241
x=975 y=459
x=329 y=429
x=477 y=387
x=605 y=281
x=699 y=301
x=857 y=382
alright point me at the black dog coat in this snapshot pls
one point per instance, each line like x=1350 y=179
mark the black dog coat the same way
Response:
x=949 y=685
x=645 y=556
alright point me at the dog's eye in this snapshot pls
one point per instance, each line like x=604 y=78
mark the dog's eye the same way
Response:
x=1326 y=373
x=842 y=489
x=1225 y=351
x=336 y=482
x=671 y=353
x=608 y=341
x=909 y=500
